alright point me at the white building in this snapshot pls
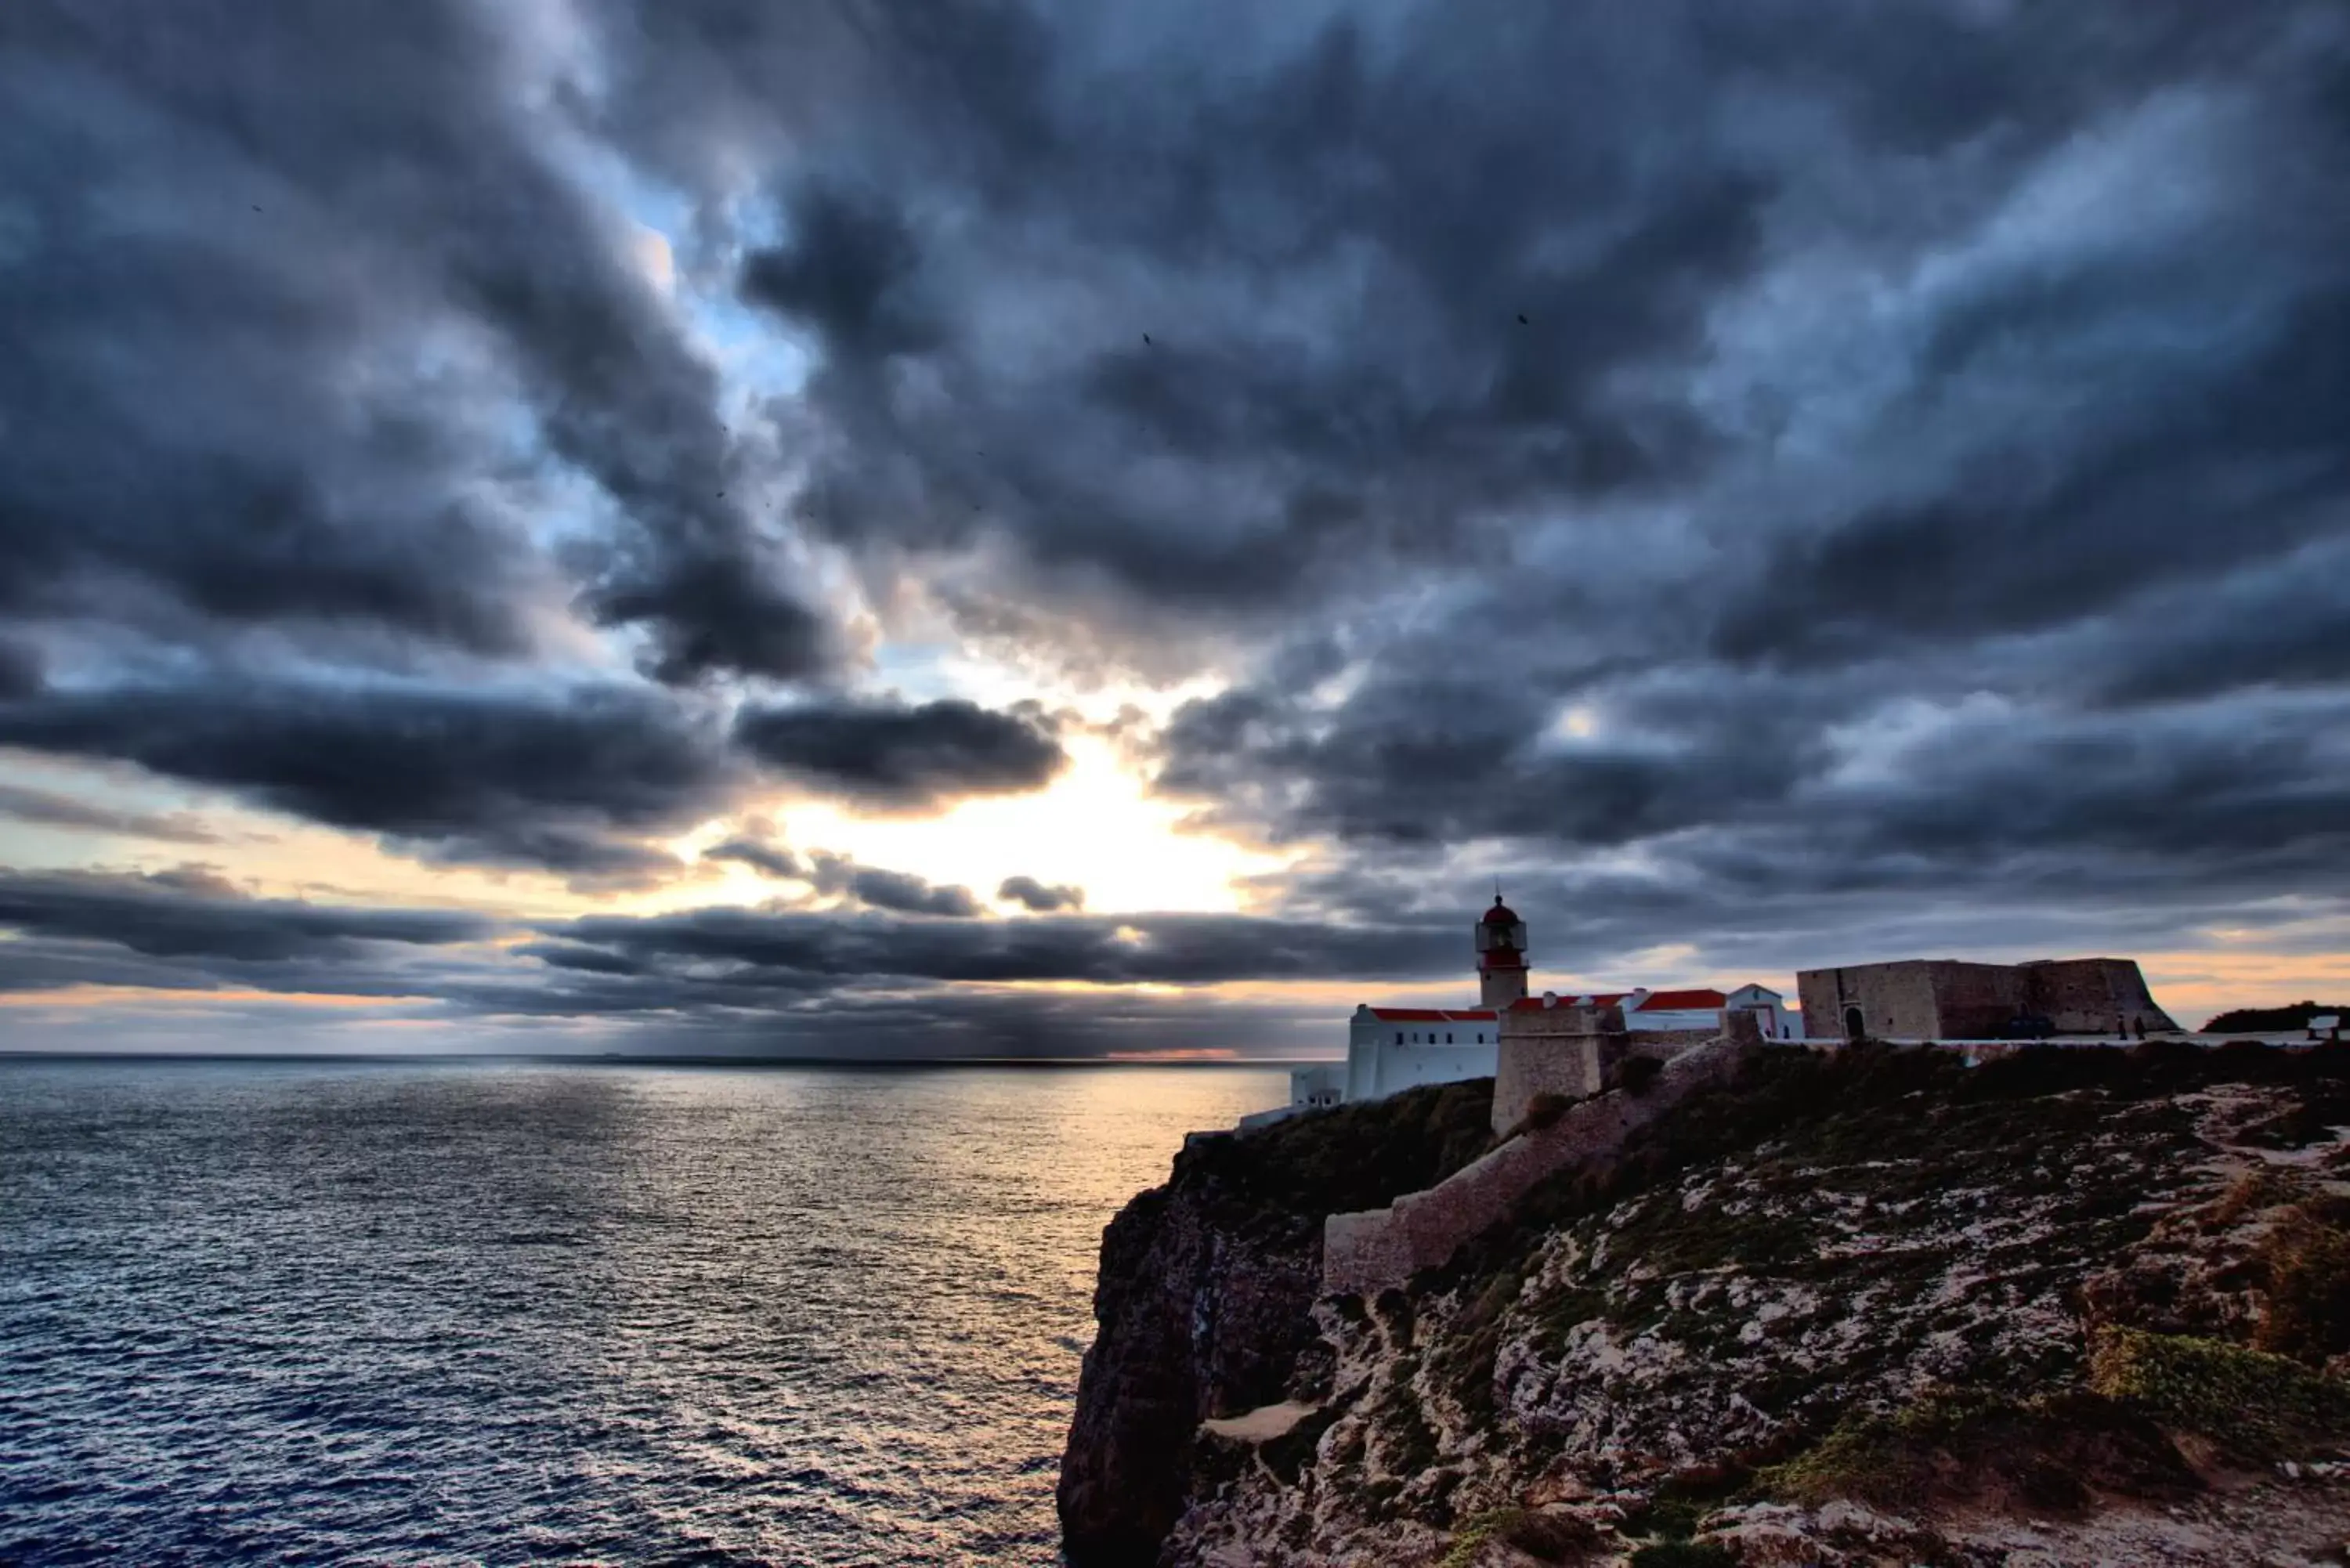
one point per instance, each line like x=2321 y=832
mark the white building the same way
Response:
x=1394 y=1048
x=1391 y=1048
x=1777 y=1022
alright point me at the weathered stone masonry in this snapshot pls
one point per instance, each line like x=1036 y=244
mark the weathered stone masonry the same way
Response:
x=1366 y=1253
x=1944 y=999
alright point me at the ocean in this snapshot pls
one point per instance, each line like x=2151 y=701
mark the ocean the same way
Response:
x=498 y=1312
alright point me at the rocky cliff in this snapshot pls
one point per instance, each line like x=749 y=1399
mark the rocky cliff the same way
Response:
x=2071 y=1307
x=1205 y=1297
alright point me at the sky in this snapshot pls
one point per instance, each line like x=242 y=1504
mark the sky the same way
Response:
x=1043 y=530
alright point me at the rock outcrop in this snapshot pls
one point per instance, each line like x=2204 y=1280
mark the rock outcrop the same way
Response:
x=2067 y=1307
x=1205 y=1293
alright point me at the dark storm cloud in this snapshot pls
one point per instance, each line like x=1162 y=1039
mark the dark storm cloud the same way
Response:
x=1800 y=366
x=797 y=951
x=899 y=891
x=1418 y=759
x=2251 y=468
x=570 y=781
x=198 y=915
x=1482 y=292
x=1771 y=478
x=20 y=670
x=271 y=287
x=842 y=875
x=1039 y=898
x=904 y=757
x=771 y=859
x=844 y=272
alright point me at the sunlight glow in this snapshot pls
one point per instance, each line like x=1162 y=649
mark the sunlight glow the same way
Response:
x=1095 y=827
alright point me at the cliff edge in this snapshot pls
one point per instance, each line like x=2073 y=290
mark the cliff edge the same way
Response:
x=1204 y=1299
x=2071 y=1306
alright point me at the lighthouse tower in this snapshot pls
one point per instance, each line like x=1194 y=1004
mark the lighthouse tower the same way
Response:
x=1501 y=956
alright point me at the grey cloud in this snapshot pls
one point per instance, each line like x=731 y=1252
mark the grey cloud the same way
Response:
x=899 y=891
x=845 y=271
x=899 y=756
x=177 y=917
x=20 y=670
x=47 y=808
x=794 y=951
x=1536 y=289
x=283 y=395
x=1912 y=434
x=772 y=859
x=568 y=780
x=1037 y=898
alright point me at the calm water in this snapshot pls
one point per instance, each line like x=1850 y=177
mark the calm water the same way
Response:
x=506 y=1314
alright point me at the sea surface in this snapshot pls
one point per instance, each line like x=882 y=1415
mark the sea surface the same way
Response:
x=453 y=1312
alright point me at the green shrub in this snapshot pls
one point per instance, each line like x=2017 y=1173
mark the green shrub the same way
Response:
x=2262 y=1403
x=2307 y=1265
x=1350 y=1156
x=1685 y=1554
x=2049 y=1451
x=2291 y=1019
x=1544 y=1109
x=1633 y=1075
x=1546 y=1537
x=1474 y=1340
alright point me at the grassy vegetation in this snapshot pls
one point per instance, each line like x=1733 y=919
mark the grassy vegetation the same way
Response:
x=1407 y=1443
x=2047 y=1451
x=1546 y=1537
x=1634 y=1074
x=1350 y=1156
x=1915 y=1145
x=2294 y=1018
x=2259 y=1405
x=2305 y=1261
x=1920 y=1138
x=1920 y=1163
x=1884 y=1460
x=1685 y=1554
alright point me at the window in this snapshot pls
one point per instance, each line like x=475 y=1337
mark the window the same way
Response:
x=1448 y=1037
x=1398 y=1037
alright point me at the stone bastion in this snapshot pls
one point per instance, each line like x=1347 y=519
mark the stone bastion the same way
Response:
x=1367 y=1251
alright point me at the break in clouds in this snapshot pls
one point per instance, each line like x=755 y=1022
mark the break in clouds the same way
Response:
x=1777 y=483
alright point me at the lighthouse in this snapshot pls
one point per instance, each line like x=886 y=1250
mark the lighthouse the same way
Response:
x=1501 y=956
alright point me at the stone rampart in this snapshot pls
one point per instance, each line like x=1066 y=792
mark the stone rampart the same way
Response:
x=1666 y=1043
x=1366 y=1253
x=2093 y=996
x=1552 y=1050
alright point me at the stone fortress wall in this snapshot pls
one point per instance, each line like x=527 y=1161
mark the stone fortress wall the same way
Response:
x=1561 y=1051
x=1369 y=1251
x=1944 y=999
x=2086 y=996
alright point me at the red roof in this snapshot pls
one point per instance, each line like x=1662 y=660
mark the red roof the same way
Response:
x=1683 y=1002
x=1591 y=999
x=1433 y=1015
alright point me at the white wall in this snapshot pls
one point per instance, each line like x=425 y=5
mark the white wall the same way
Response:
x=1778 y=1023
x=1325 y=1086
x=1377 y=1065
x=1408 y=1067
